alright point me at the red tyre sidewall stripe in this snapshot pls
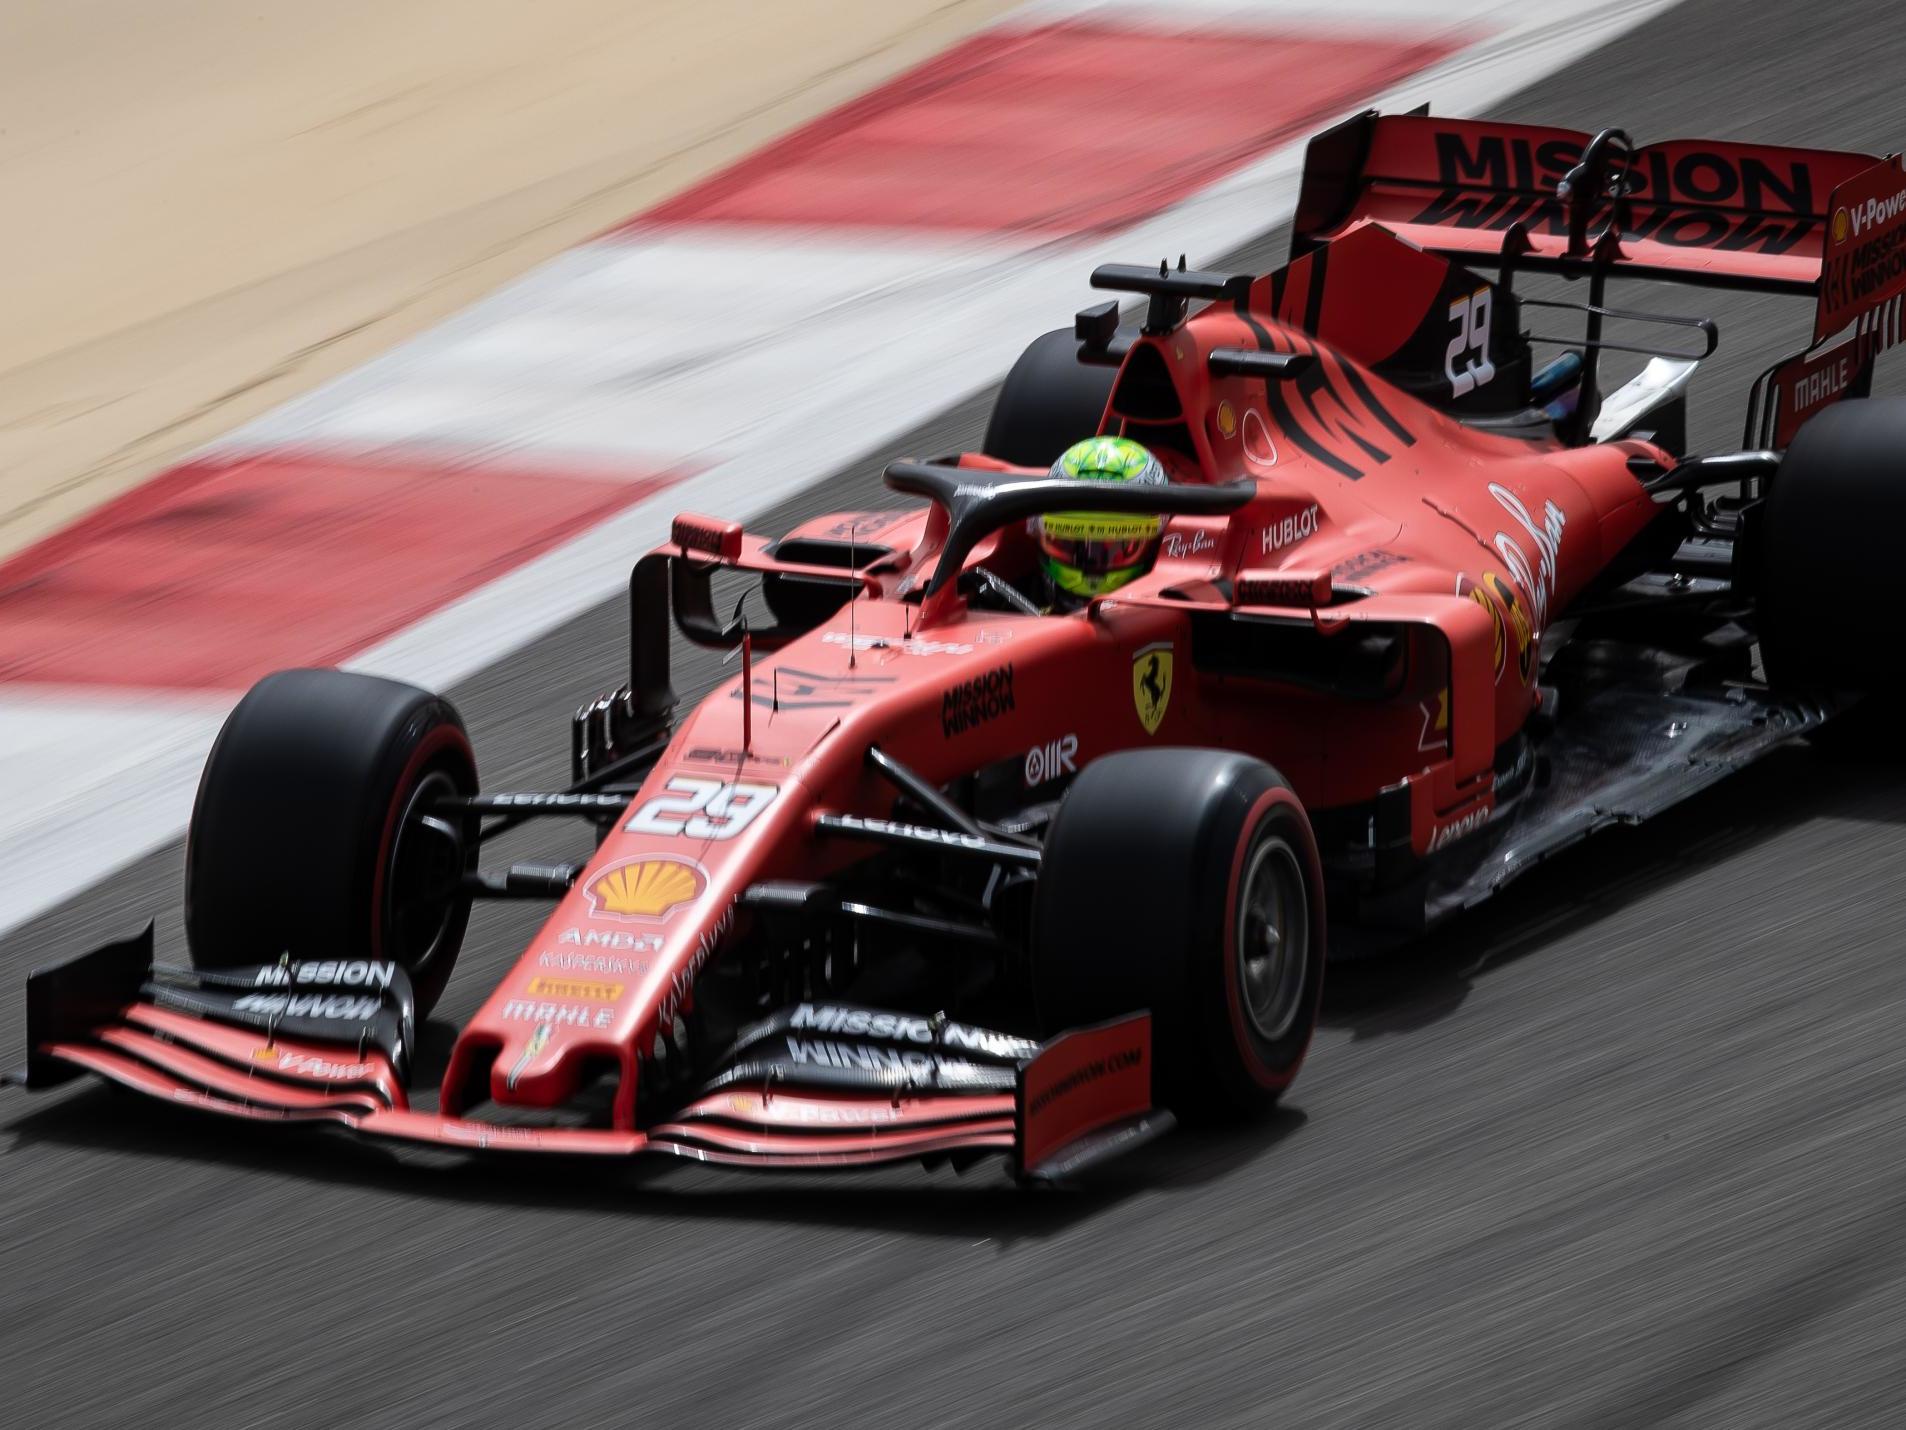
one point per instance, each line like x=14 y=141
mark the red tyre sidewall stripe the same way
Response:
x=435 y=743
x=1234 y=995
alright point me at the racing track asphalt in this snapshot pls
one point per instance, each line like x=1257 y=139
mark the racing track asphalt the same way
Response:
x=1623 y=1149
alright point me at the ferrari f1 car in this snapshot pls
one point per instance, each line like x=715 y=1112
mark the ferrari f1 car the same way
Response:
x=940 y=872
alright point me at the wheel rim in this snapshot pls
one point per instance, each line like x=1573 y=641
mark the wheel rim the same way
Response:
x=1273 y=939
x=426 y=868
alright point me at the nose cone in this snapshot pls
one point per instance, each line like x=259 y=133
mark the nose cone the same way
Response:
x=537 y=1067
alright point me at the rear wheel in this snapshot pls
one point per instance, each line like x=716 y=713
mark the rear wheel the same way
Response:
x=1048 y=401
x=1186 y=882
x=313 y=834
x=1824 y=571
x=1827 y=560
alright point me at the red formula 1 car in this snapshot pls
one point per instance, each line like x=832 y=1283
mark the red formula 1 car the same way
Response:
x=941 y=871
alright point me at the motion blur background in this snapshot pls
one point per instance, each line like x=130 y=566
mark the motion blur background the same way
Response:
x=1622 y=1149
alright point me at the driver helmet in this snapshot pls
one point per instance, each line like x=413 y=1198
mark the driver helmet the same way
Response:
x=1087 y=554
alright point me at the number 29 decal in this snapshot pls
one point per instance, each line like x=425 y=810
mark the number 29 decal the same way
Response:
x=1466 y=363
x=696 y=807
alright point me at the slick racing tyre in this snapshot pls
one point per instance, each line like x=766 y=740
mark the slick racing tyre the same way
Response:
x=1186 y=882
x=312 y=834
x=1828 y=563
x=1049 y=401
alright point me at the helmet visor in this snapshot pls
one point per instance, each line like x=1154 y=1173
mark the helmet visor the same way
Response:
x=1089 y=553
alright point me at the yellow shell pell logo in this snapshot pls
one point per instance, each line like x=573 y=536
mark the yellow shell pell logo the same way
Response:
x=1518 y=622
x=1227 y=419
x=644 y=888
x=1839 y=225
x=1500 y=643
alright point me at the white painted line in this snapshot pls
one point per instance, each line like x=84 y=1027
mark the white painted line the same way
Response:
x=889 y=333
x=92 y=782
x=1411 y=17
x=677 y=347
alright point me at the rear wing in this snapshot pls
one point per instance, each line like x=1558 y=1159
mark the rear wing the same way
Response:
x=1825 y=223
x=1727 y=215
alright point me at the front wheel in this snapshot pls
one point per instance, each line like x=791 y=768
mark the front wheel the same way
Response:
x=1186 y=882
x=314 y=833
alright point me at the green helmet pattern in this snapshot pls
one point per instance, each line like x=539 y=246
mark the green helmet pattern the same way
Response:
x=1091 y=553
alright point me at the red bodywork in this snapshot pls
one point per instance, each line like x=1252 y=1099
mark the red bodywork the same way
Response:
x=1468 y=540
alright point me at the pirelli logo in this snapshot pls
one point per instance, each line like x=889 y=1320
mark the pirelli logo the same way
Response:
x=575 y=990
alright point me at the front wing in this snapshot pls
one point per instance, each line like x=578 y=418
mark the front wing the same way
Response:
x=321 y=1056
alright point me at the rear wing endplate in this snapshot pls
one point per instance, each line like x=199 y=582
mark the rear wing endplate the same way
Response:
x=1860 y=312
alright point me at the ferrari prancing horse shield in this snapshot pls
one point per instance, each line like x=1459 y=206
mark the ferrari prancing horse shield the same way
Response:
x=1151 y=684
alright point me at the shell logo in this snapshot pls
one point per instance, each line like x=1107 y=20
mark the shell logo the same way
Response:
x=1840 y=225
x=1518 y=626
x=1227 y=419
x=644 y=888
x=1501 y=642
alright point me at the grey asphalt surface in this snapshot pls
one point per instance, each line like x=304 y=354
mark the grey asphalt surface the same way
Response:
x=1625 y=1148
